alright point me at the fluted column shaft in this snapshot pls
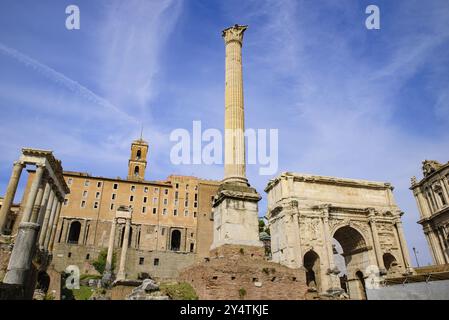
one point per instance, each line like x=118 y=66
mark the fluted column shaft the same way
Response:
x=405 y=252
x=235 y=170
x=10 y=193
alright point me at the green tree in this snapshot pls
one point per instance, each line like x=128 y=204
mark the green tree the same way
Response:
x=100 y=263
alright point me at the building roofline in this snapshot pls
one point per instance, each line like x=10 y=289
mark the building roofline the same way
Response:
x=329 y=180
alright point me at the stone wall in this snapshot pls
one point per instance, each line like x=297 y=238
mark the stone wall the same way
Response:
x=241 y=272
x=167 y=267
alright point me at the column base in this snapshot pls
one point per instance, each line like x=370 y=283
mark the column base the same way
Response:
x=22 y=253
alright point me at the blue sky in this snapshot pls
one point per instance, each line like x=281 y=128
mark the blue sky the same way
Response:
x=348 y=102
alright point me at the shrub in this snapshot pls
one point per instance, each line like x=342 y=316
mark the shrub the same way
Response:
x=242 y=293
x=100 y=263
x=179 y=291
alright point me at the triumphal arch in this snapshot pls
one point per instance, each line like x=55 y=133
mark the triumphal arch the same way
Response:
x=346 y=233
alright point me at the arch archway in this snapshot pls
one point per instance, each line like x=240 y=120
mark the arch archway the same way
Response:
x=136 y=170
x=43 y=281
x=139 y=154
x=175 y=241
x=312 y=265
x=74 y=232
x=391 y=264
x=353 y=248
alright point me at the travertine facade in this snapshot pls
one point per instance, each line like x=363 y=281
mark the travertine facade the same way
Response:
x=432 y=198
x=306 y=213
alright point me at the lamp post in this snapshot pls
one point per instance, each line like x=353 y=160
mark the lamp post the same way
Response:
x=416 y=256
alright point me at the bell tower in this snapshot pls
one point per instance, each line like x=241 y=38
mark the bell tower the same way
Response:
x=138 y=161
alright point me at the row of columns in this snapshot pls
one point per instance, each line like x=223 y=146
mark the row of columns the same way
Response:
x=438 y=240
x=121 y=274
x=39 y=219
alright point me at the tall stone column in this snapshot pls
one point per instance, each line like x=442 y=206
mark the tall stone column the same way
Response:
x=405 y=252
x=441 y=242
x=54 y=226
x=437 y=248
x=54 y=207
x=45 y=202
x=10 y=193
x=108 y=268
x=33 y=194
x=377 y=247
x=235 y=170
x=51 y=200
x=121 y=275
x=38 y=201
x=431 y=248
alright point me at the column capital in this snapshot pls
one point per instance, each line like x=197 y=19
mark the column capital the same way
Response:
x=234 y=33
x=19 y=163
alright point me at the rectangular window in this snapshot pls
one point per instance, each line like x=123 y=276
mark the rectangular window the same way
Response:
x=164 y=211
x=83 y=204
x=145 y=199
x=133 y=188
x=186 y=213
x=156 y=190
x=97 y=195
x=145 y=189
x=187 y=187
x=165 y=201
x=99 y=184
x=194 y=214
x=186 y=203
x=195 y=204
x=176 y=194
x=196 y=188
x=141 y=260
x=112 y=206
x=131 y=198
x=66 y=201
x=144 y=209
x=69 y=181
x=165 y=191
x=115 y=186
x=156 y=261
x=191 y=235
x=175 y=212
x=176 y=203
x=192 y=246
x=196 y=196
x=177 y=185
x=154 y=200
x=154 y=211
x=84 y=194
x=96 y=205
x=113 y=196
x=86 y=183
x=162 y=231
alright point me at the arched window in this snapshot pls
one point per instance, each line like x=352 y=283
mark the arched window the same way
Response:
x=175 y=242
x=139 y=154
x=74 y=232
x=136 y=171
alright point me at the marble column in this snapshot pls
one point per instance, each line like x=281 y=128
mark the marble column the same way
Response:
x=51 y=200
x=54 y=227
x=431 y=248
x=33 y=193
x=441 y=242
x=45 y=202
x=404 y=248
x=235 y=170
x=54 y=207
x=38 y=201
x=437 y=248
x=377 y=248
x=108 y=268
x=121 y=275
x=10 y=193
